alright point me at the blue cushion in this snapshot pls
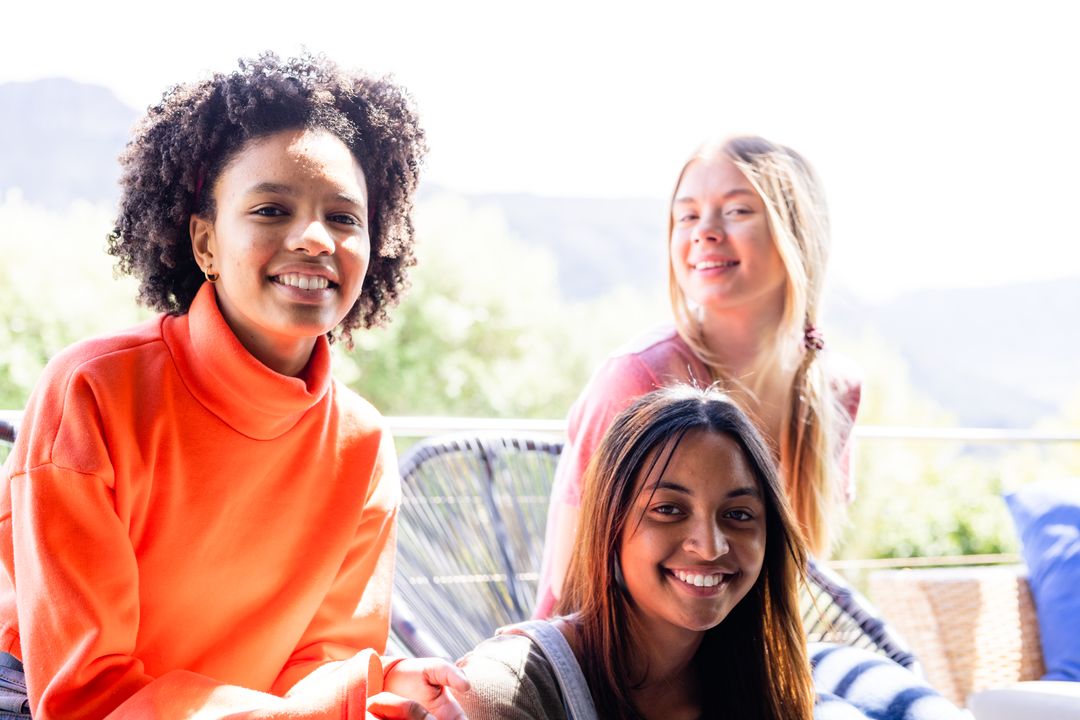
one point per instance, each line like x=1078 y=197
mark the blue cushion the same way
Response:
x=874 y=685
x=1047 y=519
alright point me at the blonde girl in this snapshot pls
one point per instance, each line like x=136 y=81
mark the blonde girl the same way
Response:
x=747 y=248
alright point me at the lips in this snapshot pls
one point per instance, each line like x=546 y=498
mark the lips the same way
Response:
x=704 y=578
x=700 y=580
x=305 y=276
x=303 y=281
x=713 y=264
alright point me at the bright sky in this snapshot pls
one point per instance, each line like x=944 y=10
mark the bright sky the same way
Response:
x=947 y=132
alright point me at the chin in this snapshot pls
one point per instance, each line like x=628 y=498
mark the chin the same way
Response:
x=310 y=327
x=701 y=624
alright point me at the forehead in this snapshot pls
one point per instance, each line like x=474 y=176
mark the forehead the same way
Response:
x=709 y=464
x=297 y=155
x=714 y=175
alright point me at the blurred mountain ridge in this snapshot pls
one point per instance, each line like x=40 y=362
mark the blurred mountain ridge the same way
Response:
x=59 y=140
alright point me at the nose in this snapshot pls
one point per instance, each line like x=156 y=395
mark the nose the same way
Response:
x=708 y=229
x=313 y=239
x=707 y=540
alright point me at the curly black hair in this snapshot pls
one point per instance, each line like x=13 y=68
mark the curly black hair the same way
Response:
x=186 y=140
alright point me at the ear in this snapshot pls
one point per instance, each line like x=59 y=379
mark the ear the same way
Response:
x=202 y=241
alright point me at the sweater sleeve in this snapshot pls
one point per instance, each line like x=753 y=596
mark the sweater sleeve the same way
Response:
x=78 y=609
x=76 y=584
x=510 y=679
x=77 y=595
x=355 y=613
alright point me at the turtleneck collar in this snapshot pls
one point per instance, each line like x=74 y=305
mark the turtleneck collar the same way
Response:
x=229 y=382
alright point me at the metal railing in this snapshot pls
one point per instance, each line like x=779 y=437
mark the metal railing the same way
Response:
x=418 y=426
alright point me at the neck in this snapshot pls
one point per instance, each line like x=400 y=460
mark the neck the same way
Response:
x=669 y=687
x=289 y=361
x=762 y=364
x=741 y=336
x=285 y=358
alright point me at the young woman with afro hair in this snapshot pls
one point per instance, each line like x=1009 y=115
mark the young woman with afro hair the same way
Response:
x=197 y=520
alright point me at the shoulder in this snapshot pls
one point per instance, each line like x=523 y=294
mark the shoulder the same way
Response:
x=510 y=678
x=97 y=367
x=365 y=445
x=79 y=385
x=658 y=348
x=357 y=415
x=651 y=360
x=660 y=338
x=845 y=379
x=101 y=355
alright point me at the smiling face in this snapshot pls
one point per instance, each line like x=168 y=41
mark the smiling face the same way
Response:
x=289 y=241
x=694 y=542
x=722 y=251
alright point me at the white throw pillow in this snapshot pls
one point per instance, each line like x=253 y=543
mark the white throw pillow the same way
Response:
x=1037 y=699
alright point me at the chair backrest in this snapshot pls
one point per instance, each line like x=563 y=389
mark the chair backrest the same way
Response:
x=471 y=536
x=470 y=540
x=833 y=611
x=8 y=429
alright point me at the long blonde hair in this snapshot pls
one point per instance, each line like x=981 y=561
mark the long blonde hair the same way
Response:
x=798 y=221
x=756 y=657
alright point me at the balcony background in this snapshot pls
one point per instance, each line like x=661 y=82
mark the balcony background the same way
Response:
x=968 y=391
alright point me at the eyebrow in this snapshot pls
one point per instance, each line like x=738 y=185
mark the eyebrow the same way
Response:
x=728 y=194
x=744 y=491
x=280 y=189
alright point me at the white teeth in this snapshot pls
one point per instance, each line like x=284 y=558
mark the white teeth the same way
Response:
x=699 y=580
x=304 y=282
x=710 y=264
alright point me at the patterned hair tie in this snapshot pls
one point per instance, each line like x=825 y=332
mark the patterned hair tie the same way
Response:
x=812 y=338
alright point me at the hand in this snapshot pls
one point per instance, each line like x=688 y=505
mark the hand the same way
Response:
x=388 y=706
x=414 y=685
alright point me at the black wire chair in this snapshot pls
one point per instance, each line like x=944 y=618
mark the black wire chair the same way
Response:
x=8 y=429
x=470 y=539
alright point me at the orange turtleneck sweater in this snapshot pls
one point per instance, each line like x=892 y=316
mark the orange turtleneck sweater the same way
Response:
x=184 y=532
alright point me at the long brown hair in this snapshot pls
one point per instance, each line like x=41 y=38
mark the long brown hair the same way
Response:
x=756 y=658
x=798 y=221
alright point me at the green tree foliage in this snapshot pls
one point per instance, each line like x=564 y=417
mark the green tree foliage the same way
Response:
x=56 y=287
x=919 y=497
x=483 y=331
x=1064 y=458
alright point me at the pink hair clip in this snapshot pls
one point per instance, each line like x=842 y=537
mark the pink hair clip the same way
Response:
x=812 y=338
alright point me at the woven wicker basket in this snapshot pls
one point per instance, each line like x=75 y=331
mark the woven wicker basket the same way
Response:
x=971 y=628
